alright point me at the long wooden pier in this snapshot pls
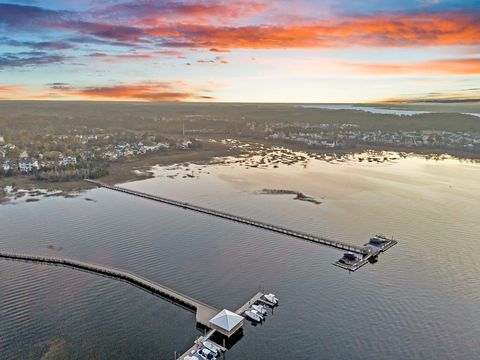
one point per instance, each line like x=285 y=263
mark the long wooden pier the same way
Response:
x=203 y=311
x=239 y=219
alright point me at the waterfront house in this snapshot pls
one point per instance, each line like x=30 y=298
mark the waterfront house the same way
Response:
x=27 y=164
x=185 y=144
x=6 y=165
x=67 y=160
x=110 y=155
x=162 y=145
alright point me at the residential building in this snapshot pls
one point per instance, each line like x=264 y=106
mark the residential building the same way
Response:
x=27 y=164
x=6 y=165
x=67 y=161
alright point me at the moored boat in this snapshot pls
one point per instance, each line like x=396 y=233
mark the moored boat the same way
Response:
x=271 y=298
x=260 y=309
x=250 y=314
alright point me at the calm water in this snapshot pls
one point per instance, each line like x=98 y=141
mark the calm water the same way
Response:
x=369 y=109
x=420 y=301
x=375 y=110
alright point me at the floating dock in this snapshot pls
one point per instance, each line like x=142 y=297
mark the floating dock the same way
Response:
x=258 y=297
x=377 y=245
x=352 y=265
x=198 y=344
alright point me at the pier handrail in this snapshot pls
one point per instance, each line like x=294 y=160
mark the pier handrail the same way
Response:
x=110 y=271
x=279 y=229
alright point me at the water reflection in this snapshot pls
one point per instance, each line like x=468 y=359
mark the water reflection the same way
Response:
x=421 y=298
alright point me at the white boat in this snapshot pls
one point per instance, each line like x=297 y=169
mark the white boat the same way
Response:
x=212 y=347
x=253 y=316
x=260 y=309
x=271 y=298
x=257 y=312
x=205 y=354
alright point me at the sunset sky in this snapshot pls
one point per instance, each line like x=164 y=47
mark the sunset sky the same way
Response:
x=241 y=50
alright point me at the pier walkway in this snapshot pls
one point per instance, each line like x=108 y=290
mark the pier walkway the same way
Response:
x=204 y=312
x=239 y=219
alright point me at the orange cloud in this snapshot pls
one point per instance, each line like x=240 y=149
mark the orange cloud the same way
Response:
x=170 y=53
x=245 y=24
x=8 y=88
x=144 y=91
x=117 y=58
x=194 y=13
x=8 y=92
x=133 y=92
x=397 y=30
x=150 y=91
x=440 y=67
x=112 y=59
x=215 y=50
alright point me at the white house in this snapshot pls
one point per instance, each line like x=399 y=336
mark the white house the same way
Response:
x=162 y=145
x=27 y=164
x=67 y=160
x=185 y=144
x=110 y=155
x=6 y=166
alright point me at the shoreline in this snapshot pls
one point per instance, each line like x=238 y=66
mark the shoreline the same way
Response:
x=359 y=149
x=138 y=168
x=133 y=169
x=120 y=171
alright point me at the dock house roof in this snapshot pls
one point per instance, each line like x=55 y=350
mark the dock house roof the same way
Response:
x=226 y=320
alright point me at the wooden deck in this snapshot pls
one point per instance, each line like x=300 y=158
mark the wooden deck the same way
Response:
x=355 y=265
x=258 y=297
x=245 y=306
x=198 y=344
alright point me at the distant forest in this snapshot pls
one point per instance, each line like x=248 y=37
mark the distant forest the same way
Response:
x=40 y=117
